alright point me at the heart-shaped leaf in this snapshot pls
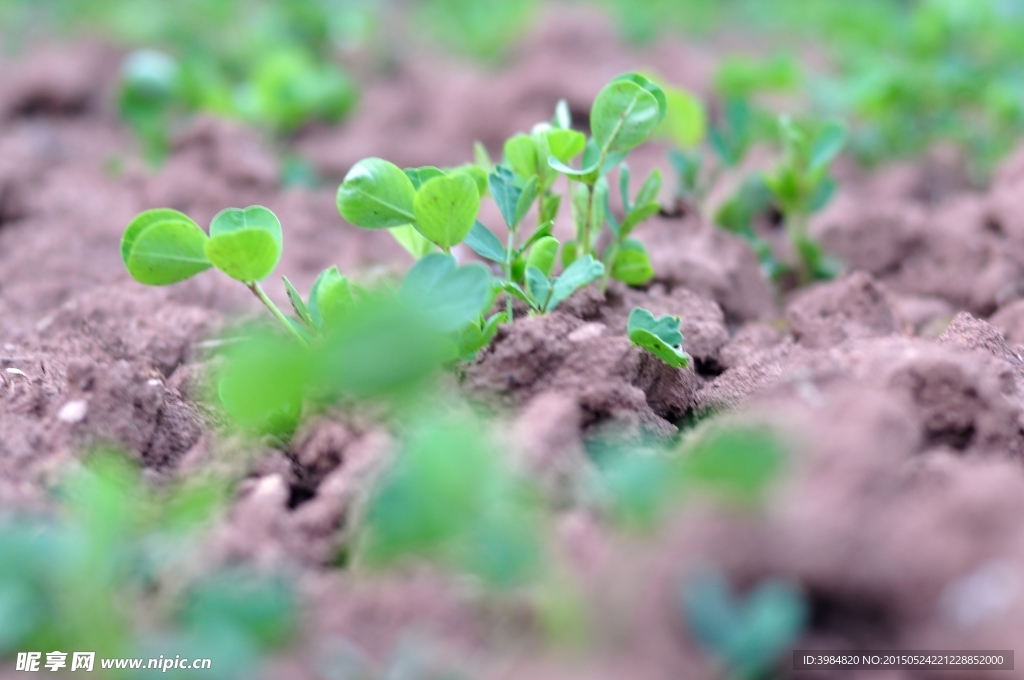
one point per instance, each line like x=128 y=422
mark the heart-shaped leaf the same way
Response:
x=576 y=276
x=623 y=116
x=665 y=328
x=247 y=255
x=484 y=243
x=163 y=246
x=748 y=634
x=376 y=194
x=241 y=219
x=447 y=295
x=446 y=208
x=661 y=337
x=632 y=265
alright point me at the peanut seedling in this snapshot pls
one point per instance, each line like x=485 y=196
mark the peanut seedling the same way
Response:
x=659 y=336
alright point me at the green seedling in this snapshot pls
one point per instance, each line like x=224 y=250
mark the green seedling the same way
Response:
x=449 y=497
x=641 y=479
x=382 y=347
x=429 y=208
x=749 y=635
x=164 y=246
x=542 y=293
x=95 y=575
x=625 y=114
x=661 y=337
x=801 y=186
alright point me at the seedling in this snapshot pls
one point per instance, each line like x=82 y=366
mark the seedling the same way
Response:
x=661 y=337
x=450 y=497
x=164 y=246
x=427 y=208
x=746 y=635
x=801 y=186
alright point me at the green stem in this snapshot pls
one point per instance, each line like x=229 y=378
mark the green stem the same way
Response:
x=508 y=270
x=258 y=292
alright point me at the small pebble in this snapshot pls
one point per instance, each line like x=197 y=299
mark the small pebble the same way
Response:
x=153 y=382
x=15 y=371
x=73 y=411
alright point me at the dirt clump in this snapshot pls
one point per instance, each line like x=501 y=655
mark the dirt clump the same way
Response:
x=853 y=307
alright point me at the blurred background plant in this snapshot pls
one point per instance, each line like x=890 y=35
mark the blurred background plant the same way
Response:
x=907 y=73
x=113 y=570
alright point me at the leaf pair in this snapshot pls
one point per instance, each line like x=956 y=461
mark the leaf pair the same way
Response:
x=163 y=246
x=661 y=337
x=442 y=207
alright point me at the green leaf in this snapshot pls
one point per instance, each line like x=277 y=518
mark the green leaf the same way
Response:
x=632 y=265
x=568 y=253
x=515 y=291
x=549 y=208
x=162 y=246
x=297 y=304
x=576 y=276
x=506 y=195
x=565 y=144
x=650 y=189
x=376 y=194
x=661 y=337
x=413 y=241
x=623 y=116
x=525 y=200
x=143 y=221
x=648 y=84
x=420 y=176
x=584 y=174
x=446 y=208
x=247 y=255
x=543 y=255
x=686 y=122
x=827 y=146
x=484 y=243
x=448 y=296
x=539 y=287
x=521 y=155
x=333 y=296
x=234 y=220
x=638 y=215
x=474 y=172
x=542 y=231
x=624 y=177
x=666 y=328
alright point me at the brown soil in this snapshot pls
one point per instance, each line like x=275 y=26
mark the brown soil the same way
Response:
x=905 y=407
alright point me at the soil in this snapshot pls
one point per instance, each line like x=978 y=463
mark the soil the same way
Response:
x=900 y=386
